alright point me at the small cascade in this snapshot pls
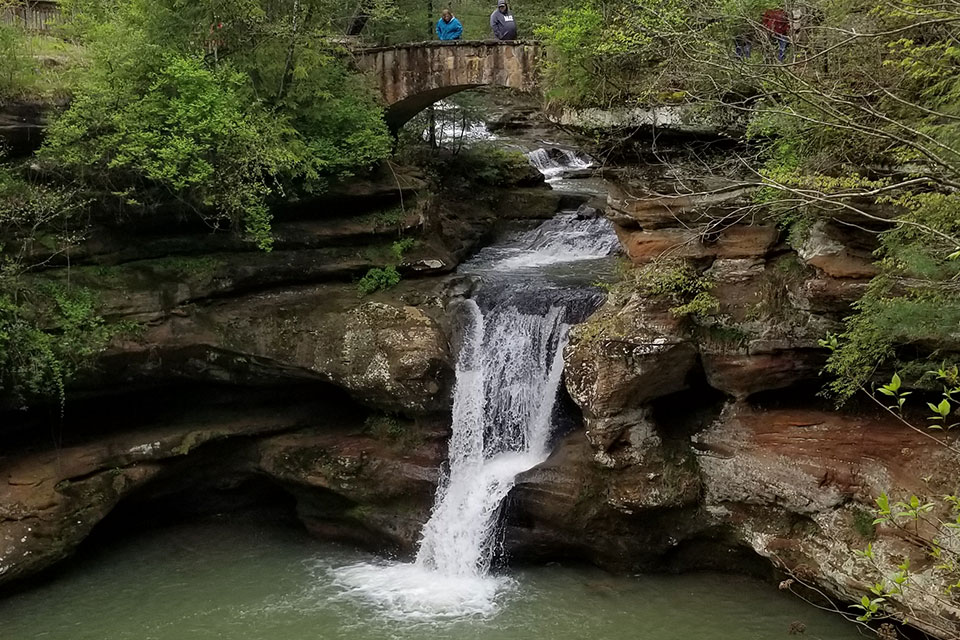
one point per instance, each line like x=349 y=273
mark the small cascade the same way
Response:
x=508 y=377
x=554 y=163
x=449 y=127
x=565 y=238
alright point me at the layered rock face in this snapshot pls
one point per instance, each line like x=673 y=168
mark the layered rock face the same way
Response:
x=348 y=479
x=250 y=367
x=703 y=444
x=704 y=436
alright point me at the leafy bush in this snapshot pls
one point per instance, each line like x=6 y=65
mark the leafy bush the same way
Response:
x=402 y=247
x=221 y=123
x=47 y=338
x=378 y=280
x=181 y=126
x=680 y=283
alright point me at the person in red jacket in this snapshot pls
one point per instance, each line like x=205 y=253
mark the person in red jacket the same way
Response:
x=777 y=23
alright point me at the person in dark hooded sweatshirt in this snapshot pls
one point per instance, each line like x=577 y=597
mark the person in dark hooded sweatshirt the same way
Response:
x=502 y=23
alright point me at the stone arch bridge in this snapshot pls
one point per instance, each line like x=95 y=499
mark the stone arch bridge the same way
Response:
x=413 y=76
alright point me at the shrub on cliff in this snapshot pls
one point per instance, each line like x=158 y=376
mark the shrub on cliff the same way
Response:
x=48 y=332
x=220 y=106
x=16 y=70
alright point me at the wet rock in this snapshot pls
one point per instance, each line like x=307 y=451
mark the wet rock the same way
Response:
x=51 y=500
x=636 y=207
x=357 y=489
x=626 y=357
x=738 y=241
x=744 y=371
x=634 y=515
x=829 y=295
x=387 y=355
x=832 y=251
x=586 y=212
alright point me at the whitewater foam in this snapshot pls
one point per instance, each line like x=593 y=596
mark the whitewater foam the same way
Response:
x=508 y=376
x=560 y=161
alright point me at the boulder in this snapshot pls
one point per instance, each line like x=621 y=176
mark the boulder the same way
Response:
x=386 y=354
x=624 y=357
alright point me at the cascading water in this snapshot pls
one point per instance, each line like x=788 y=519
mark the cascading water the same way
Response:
x=508 y=377
x=555 y=162
x=563 y=239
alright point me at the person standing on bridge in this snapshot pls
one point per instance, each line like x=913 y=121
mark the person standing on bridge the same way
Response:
x=448 y=27
x=502 y=23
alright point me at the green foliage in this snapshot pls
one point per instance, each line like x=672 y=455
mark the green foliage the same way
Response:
x=863 y=524
x=599 y=52
x=378 y=279
x=35 y=66
x=47 y=338
x=402 y=247
x=683 y=285
x=473 y=169
x=48 y=332
x=221 y=118
x=390 y=217
x=942 y=410
x=889 y=319
x=893 y=390
x=181 y=126
x=16 y=72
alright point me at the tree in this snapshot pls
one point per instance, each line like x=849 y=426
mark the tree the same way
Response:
x=222 y=106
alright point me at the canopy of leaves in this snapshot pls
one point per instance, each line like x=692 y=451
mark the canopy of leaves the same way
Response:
x=219 y=105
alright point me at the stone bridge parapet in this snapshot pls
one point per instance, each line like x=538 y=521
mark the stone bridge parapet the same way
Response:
x=411 y=77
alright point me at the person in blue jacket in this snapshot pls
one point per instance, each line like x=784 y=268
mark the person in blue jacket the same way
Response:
x=448 y=27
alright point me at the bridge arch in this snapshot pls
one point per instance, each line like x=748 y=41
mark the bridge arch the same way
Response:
x=411 y=77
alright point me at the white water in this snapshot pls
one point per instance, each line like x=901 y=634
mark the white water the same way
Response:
x=565 y=238
x=451 y=129
x=508 y=376
x=553 y=168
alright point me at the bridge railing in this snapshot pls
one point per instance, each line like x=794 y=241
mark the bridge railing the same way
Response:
x=31 y=15
x=429 y=44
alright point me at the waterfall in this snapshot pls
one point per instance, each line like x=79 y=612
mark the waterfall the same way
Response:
x=565 y=238
x=508 y=377
x=554 y=162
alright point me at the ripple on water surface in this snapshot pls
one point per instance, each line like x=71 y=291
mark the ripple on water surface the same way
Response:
x=256 y=581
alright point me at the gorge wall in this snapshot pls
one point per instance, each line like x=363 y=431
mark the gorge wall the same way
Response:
x=703 y=443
